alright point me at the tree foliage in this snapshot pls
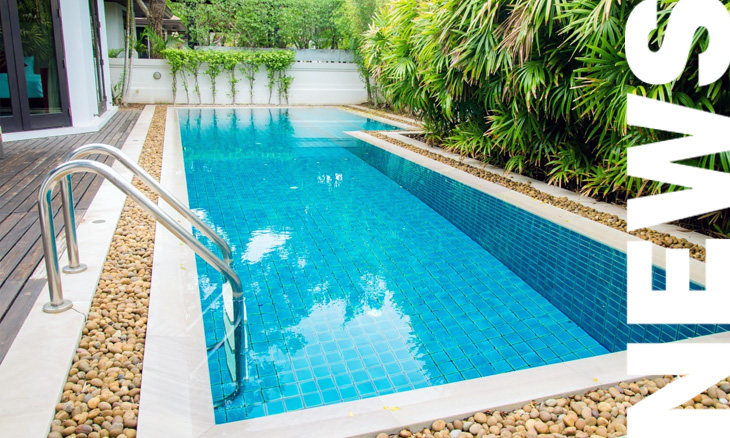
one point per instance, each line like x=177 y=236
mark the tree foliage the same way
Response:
x=301 y=24
x=353 y=19
x=536 y=86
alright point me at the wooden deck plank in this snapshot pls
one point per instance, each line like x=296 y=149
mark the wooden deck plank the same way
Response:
x=24 y=241
x=22 y=170
x=26 y=199
x=30 y=179
x=37 y=159
x=8 y=222
x=14 y=191
x=20 y=274
x=25 y=298
x=10 y=238
x=87 y=181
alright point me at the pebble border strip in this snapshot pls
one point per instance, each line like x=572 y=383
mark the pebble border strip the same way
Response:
x=101 y=395
x=613 y=221
x=600 y=413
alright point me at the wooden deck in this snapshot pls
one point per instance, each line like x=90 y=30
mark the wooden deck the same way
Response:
x=22 y=169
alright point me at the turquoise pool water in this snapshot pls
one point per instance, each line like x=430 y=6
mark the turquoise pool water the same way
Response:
x=354 y=286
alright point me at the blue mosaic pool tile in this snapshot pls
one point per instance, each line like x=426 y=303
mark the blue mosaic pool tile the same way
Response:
x=275 y=407
x=372 y=291
x=562 y=265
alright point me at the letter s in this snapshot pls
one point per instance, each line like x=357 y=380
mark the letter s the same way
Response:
x=666 y=64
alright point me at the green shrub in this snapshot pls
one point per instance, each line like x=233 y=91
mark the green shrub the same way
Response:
x=536 y=86
x=216 y=61
x=176 y=59
x=249 y=63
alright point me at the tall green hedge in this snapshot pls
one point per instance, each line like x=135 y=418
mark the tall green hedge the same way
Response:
x=536 y=86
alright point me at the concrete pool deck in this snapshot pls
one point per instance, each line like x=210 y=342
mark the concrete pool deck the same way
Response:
x=177 y=400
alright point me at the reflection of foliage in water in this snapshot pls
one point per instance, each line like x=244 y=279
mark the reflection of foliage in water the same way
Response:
x=36 y=30
x=267 y=136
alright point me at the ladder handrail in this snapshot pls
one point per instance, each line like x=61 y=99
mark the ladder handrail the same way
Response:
x=48 y=235
x=147 y=179
x=238 y=342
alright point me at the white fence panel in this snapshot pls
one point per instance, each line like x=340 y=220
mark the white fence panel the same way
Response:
x=314 y=83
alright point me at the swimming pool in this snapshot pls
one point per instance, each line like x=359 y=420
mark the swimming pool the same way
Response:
x=366 y=274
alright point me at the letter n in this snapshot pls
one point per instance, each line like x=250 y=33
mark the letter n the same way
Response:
x=705 y=364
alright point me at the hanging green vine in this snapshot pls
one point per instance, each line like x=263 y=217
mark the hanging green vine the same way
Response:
x=193 y=61
x=284 y=84
x=215 y=61
x=186 y=61
x=250 y=64
x=230 y=61
x=176 y=59
x=276 y=62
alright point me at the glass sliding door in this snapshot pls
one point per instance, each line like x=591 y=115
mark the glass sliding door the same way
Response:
x=37 y=61
x=9 y=105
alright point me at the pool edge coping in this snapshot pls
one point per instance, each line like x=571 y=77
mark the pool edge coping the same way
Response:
x=179 y=340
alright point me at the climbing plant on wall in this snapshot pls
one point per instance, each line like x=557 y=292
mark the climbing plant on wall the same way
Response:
x=249 y=63
x=176 y=60
x=193 y=62
x=184 y=62
x=215 y=60
x=229 y=64
x=276 y=63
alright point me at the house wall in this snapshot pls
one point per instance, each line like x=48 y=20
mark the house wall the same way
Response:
x=80 y=62
x=314 y=83
x=114 y=25
x=80 y=73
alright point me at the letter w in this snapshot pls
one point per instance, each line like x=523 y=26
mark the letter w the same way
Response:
x=708 y=189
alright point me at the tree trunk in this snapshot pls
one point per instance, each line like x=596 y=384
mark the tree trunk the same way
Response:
x=128 y=55
x=156 y=14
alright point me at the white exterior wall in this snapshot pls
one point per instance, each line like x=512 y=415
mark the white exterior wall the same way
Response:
x=314 y=84
x=114 y=25
x=105 y=56
x=80 y=63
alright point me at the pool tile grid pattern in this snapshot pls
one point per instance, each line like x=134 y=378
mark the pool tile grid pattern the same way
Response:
x=417 y=305
x=583 y=278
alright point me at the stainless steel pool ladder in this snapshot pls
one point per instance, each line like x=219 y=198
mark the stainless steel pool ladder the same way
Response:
x=146 y=178
x=59 y=304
